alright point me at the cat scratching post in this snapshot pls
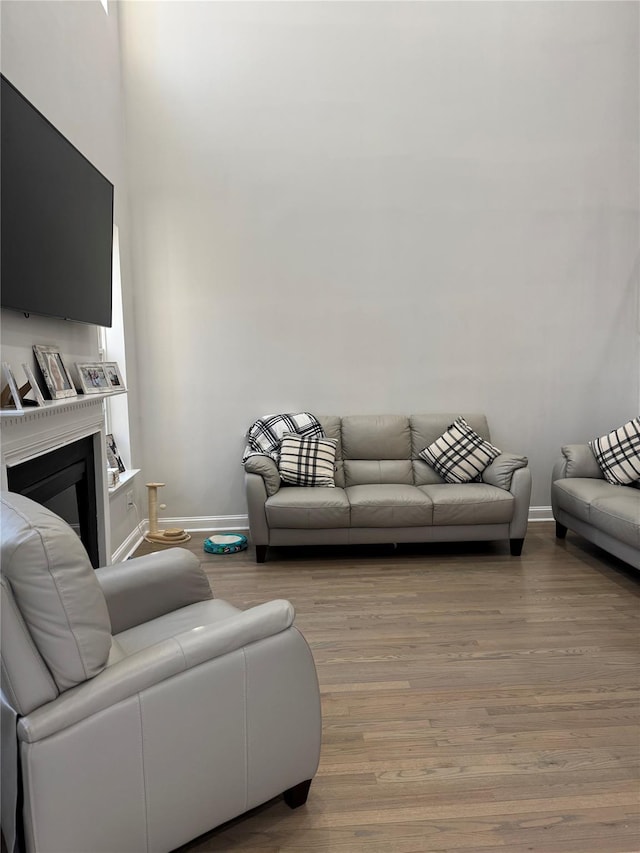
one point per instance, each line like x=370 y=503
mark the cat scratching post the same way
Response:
x=170 y=536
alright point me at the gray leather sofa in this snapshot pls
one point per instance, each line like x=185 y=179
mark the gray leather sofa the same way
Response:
x=138 y=711
x=583 y=501
x=386 y=493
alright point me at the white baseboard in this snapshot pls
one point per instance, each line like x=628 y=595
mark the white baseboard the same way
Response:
x=130 y=544
x=205 y=523
x=540 y=513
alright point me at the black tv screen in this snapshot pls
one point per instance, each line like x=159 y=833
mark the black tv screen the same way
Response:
x=56 y=220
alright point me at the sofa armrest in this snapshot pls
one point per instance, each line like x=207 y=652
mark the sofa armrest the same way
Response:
x=256 y=497
x=577 y=461
x=266 y=468
x=500 y=472
x=521 y=491
x=155 y=664
x=144 y=588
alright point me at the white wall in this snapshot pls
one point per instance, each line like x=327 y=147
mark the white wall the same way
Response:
x=64 y=57
x=380 y=207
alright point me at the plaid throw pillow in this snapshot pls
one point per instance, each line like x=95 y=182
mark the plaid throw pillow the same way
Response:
x=460 y=454
x=307 y=461
x=618 y=453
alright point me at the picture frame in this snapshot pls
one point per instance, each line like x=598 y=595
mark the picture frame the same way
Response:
x=35 y=387
x=56 y=376
x=114 y=377
x=92 y=376
x=10 y=397
x=113 y=456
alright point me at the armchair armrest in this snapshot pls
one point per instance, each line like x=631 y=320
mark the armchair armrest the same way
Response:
x=211 y=641
x=144 y=588
x=155 y=664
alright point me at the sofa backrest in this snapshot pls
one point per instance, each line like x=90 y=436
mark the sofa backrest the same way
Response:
x=385 y=448
x=376 y=449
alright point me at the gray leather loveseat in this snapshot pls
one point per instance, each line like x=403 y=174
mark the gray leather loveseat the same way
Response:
x=582 y=500
x=386 y=493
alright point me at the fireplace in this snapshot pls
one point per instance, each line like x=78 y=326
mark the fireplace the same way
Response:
x=56 y=455
x=64 y=481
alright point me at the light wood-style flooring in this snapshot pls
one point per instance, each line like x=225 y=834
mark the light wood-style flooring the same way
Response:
x=472 y=701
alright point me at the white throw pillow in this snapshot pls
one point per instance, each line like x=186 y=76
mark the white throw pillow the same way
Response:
x=618 y=453
x=307 y=461
x=460 y=454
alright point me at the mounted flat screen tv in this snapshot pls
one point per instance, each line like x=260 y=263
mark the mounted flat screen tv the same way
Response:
x=56 y=220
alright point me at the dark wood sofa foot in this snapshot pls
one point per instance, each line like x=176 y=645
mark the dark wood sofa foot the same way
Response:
x=561 y=530
x=516 y=547
x=297 y=796
x=261 y=553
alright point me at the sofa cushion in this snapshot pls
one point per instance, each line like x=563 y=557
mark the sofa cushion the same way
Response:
x=576 y=494
x=360 y=472
x=618 y=453
x=376 y=437
x=619 y=515
x=308 y=506
x=388 y=505
x=469 y=503
x=459 y=455
x=307 y=461
x=423 y=474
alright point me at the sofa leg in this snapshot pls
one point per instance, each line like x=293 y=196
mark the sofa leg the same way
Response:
x=297 y=796
x=561 y=530
x=516 y=547
x=261 y=553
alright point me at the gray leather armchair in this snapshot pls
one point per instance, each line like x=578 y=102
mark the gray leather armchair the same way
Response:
x=138 y=711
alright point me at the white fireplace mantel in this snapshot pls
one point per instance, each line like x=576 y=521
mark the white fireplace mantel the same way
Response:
x=35 y=431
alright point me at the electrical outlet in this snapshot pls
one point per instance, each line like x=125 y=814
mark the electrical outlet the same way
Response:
x=130 y=499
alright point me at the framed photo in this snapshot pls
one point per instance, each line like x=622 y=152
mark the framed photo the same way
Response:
x=55 y=374
x=93 y=379
x=31 y=379
x=113 y=457
x=10 y=397
x=114 y=377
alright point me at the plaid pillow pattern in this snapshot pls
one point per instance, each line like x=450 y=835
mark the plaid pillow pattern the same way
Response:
x=460 y=454
x=265 y=434
x=618 y=453
x=307 y=461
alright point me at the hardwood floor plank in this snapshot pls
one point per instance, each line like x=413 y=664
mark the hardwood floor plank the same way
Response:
x=492 y=763
x=471 y=701
x=591 y=830
x=349 y=815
